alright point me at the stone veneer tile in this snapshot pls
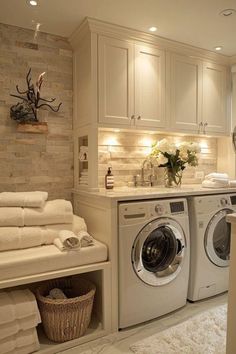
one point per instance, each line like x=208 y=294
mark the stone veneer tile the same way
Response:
x=36 y=161
x=129 y=149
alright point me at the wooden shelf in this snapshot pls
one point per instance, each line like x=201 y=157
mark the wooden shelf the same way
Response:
x=35 y=128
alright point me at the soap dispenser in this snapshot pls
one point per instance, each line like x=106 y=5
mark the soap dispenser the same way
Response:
x=109 y=179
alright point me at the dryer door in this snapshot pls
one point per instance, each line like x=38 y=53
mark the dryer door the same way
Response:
x=158 y=252
x=217 y=239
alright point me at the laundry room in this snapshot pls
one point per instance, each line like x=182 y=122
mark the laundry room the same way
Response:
x=117 y=177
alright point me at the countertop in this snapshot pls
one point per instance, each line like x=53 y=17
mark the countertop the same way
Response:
x=138 y=193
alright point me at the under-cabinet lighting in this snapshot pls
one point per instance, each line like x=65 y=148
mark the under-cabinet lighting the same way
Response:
x=153 y=29
x=33 y=2
x=116 y=130
x=218 y=48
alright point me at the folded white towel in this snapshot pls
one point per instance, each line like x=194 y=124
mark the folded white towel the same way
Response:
x=11 y=328
x=211 y=184
x=12 y=216
x=23 y=199
x=58 y=211
x=85 y=239
x=12 y=238
x=17 y=304
x=216 y=175
x=20 y=340
x=223 y=181
x=232 y=183
x=57 y=242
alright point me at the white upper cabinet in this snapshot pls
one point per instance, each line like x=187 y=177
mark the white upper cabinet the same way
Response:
x=214 y=112
x=131 y=82
x=186 y=93
x=149 y=90
x=115 y=80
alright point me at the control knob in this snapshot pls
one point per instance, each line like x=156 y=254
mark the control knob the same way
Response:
x=159 y=209
x=223 y=202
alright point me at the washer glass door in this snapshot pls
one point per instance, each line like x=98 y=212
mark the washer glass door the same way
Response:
x=158 y=251
x=217 y=239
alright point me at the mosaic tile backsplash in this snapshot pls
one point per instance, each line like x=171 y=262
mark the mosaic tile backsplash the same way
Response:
x=126 y=152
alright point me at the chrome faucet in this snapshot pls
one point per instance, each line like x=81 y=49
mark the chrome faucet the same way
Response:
x=141 y=179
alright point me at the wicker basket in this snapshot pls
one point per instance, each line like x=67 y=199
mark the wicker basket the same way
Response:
x=66 y=319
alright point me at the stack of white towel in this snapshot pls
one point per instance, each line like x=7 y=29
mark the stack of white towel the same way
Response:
x=83 y=180
x=218 y=180
x=19 y=317
x=29 y=220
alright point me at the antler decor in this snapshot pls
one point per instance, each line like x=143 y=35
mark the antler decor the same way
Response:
x=26 y=110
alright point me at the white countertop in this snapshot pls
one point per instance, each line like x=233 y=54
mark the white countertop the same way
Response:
x=137 y=193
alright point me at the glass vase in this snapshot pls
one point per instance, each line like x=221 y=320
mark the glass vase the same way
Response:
x=172 y=177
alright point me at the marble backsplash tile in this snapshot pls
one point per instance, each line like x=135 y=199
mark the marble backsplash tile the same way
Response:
x=126 y=151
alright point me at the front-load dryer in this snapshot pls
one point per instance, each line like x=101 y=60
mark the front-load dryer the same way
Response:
x=153 y=259
x=210 y=244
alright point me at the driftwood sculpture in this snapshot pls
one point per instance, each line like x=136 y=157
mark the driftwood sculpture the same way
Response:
x=26 y=110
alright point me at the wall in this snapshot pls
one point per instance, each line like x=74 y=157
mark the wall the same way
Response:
x=126 y=151
x=36 y=161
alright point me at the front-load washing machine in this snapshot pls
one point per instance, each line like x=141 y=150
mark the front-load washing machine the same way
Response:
x=153 y=259
x=210 y=244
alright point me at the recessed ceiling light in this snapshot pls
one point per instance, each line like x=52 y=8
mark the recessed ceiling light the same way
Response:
x=33 y=2
x=218 y=48
x=152 y=29
x=227 y=12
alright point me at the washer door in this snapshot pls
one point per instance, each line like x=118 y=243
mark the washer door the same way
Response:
x=158 y=252
x=217 y=239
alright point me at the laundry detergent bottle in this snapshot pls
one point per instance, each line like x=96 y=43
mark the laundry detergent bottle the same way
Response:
x=109 y=179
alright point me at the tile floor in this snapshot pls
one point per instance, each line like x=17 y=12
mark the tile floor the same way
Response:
x=120 y=342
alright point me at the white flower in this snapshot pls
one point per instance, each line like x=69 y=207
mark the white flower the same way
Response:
x=191 y=147
x=161 y=160
x=165 y=146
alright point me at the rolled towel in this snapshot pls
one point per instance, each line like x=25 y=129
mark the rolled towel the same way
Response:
x=58 y=211
x=17 y=304
x=35 y=199
x=20 y=341
x=211 y=184
x=232 y=183
x=67 y=241
x=85 y=239
x=11 y=328
x=57 y=293
x=217 y=175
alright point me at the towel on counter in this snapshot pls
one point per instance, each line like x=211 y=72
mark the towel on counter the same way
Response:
x=85 y=239
x=211 y=184
x=20 y=341
x=217 y=175
x=17 y=304
x=67 y=241
x=35 y=199
x=11 y=328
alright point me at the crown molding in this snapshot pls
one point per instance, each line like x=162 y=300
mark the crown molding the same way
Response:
x=124 y=33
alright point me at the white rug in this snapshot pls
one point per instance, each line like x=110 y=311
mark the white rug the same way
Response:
x=201 y=334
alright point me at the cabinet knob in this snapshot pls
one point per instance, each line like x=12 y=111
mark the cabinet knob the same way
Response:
x=139 y=117
x=204 y=129
x=132 y=117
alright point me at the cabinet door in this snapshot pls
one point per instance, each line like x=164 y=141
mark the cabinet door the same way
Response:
x=115 y=81
x=215 y=98
x=149 y=87
x=185 y=93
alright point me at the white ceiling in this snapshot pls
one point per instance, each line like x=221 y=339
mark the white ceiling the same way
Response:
x=196 y=22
